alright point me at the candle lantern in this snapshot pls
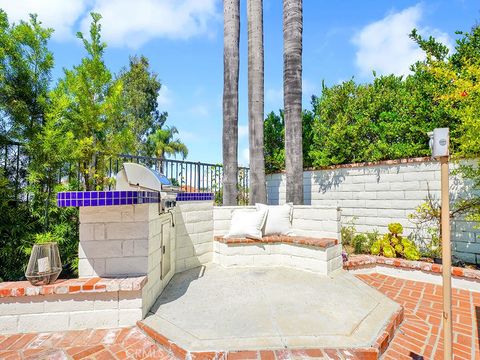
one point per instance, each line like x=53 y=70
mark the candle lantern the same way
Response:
x=44 y=265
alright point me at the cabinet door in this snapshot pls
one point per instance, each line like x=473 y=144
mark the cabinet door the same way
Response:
x=166 y=247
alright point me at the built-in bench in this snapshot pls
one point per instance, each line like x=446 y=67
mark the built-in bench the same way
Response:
x=71 y=304
x=314 y=247
x=320 y=255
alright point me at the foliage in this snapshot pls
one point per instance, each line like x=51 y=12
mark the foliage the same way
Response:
x=16 y=224
x=393 y=244
x=76 y=127
x=274 y=140
x=25 y=68
x=348 y=231
x=163 y=142
x=140 y=111
x=86 y=102
x=459 y=94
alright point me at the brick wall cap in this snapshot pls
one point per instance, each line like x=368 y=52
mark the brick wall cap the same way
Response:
x=72 y=286
x=367 y=164
x=359 y=261
x=295 y=240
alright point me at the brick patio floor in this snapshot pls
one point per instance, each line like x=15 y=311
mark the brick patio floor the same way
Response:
x=128 y=343
x=419 y=337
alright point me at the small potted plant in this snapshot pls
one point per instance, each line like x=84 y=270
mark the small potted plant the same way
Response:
x=44 y=265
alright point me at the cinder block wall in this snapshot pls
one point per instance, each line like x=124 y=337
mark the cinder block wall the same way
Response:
x=126 y=240
x=194 y=234
x=381 y=193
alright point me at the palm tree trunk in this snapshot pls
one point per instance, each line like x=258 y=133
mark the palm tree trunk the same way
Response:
x=258 y=192
x=292 y=98
x=231 y=40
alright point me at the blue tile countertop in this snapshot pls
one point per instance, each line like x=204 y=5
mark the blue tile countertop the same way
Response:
x=118 y=197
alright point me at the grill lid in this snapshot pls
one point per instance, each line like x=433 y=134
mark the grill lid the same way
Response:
x=136 y=176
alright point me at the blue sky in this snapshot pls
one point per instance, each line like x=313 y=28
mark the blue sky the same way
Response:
x=183 y=40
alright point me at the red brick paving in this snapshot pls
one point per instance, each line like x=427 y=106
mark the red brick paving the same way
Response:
x=115 y=344
x=420 y=335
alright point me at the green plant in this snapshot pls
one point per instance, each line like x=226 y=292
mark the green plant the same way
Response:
x=359 y=242
x=393 y=244
x=348 y=231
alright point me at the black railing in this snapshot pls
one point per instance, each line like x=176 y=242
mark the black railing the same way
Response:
x=188 y=175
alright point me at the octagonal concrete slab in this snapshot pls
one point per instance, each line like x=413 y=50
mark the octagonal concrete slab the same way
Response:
x=216 y=309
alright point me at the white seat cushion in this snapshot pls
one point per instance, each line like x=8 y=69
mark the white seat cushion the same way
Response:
x=247 y=224
x=279 y=219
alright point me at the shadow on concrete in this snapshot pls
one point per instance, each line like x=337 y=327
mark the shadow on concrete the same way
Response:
x=178 y=287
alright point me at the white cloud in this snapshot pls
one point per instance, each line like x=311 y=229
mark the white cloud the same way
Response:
x=164 y=96
x=125 y=22
x=61 y=15
x=242 y=131
x=133 y=23
x=384 y=45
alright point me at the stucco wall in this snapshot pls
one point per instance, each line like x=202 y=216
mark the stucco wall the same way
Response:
x=381 y=193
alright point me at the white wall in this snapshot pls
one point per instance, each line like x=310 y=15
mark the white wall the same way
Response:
x=126 y=240
x=61 y=312
x=194 y=234
x=380 y=194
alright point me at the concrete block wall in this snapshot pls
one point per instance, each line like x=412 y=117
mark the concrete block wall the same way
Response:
x=318 y=260
x=194 y=234
x=60 y=312
x=114 y=240
x=381 y=193
x=314 y=221
x=126 y=240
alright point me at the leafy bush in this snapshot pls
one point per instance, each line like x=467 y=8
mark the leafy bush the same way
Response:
x=393 y=244
x=348 y=231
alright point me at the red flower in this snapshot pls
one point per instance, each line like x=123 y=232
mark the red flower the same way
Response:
x=464 y=93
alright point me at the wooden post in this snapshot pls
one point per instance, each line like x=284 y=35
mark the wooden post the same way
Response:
x=446 y=260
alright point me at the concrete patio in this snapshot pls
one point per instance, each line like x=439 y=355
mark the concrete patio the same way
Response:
x=216 y=309
x=420 y=334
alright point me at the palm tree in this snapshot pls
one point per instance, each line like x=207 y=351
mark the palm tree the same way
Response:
x=292 y=98
x=231 y=40
x=258 y=192
x=163 y=142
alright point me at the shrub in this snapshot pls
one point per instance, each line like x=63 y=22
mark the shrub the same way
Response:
x=359 y=241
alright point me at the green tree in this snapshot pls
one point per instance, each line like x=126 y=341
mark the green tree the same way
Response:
x=459 y=94
x=88 y=102
x=163 y=142
x=25 y=73
x=139 y=102
x=274 y=139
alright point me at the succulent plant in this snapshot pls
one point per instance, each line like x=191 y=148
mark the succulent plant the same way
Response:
x=399 y=248
x=393 y=244
x=411 y=253
x=395 y=228
x=389 y=251
x=376 y=247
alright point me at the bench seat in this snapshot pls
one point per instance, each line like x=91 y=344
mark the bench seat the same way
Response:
x=319 y=255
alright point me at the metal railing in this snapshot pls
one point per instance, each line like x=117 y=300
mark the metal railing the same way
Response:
x=188 y=175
